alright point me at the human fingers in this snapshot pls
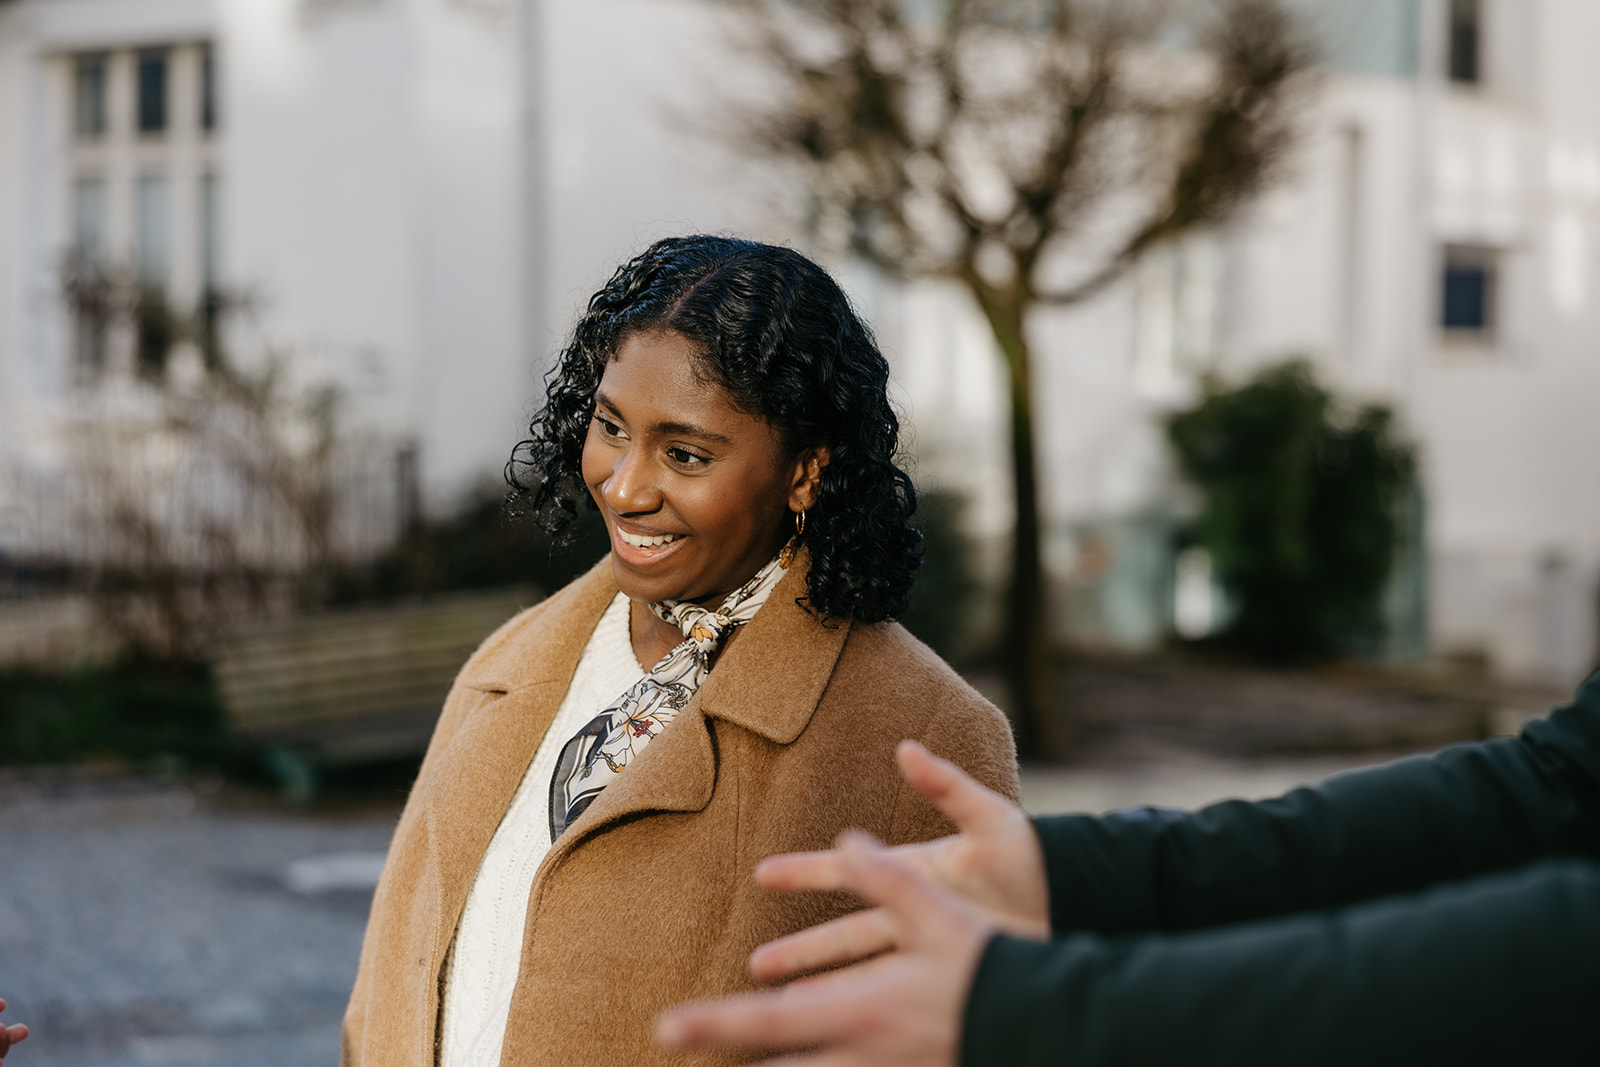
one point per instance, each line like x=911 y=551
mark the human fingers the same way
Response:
x=796 y=1016
x=843 y=940
x=796 y=871
x=972 y=806
x=914 y=904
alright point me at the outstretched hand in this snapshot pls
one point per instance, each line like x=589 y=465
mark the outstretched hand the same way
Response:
x=994 y=861
x=10 y=1035
x=936 y=906
x=901 y=1008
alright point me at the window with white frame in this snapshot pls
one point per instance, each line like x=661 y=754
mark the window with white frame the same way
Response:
x=140 y=163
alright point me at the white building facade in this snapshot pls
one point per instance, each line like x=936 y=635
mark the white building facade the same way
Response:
x=423 y=192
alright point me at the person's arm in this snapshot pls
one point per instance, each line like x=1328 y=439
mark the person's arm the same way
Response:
x=1501 y=969
x=1395 y=828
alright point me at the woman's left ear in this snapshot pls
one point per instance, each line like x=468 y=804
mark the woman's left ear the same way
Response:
x=807 y=476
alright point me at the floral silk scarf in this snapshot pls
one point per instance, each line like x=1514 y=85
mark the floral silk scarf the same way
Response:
x=597 y=754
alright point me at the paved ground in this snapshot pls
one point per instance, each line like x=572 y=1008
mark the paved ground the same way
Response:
x=150 y=924
x=147 y=925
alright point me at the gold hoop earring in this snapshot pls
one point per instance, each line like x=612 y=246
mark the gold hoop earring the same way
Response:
x=800 y=523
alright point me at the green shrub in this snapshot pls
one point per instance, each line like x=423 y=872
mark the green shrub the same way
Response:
x=139 y=710
x=1302 y=510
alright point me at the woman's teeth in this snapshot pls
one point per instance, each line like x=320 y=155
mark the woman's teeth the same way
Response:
x=646 y=542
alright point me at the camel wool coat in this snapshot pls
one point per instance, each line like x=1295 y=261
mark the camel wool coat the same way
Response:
x=649 y=899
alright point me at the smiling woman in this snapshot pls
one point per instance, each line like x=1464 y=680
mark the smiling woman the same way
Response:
x=577 y=852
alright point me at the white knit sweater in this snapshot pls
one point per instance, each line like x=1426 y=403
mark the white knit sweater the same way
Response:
x=482 y=970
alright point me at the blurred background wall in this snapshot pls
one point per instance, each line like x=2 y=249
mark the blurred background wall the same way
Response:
x=419 y=195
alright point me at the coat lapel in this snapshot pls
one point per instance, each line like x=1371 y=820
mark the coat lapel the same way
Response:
x=768 y=681
x=773 y=675
x=523 y=680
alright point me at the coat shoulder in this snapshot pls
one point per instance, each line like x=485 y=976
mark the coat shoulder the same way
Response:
x=886 y=661
x=898 y=680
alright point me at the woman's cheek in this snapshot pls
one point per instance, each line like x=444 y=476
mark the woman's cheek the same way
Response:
x=593 y=466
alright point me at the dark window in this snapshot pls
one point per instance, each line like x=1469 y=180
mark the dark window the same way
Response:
x=152 y=92
x=1466 y=41
x=1468 y=290
x=155 y=332
x=208 y=89
x=212 y=301
x=89 y=96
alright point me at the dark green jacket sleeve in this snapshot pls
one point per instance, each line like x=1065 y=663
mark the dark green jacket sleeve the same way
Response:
x=1467 y=810
x=1503 y=969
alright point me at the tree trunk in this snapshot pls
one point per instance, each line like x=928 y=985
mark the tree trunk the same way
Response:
x=1039 y=728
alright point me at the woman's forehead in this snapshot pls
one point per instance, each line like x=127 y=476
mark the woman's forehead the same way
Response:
x=660 y=379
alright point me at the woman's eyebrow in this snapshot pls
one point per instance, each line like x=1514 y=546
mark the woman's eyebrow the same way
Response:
x=689 y=429
x=671 y=427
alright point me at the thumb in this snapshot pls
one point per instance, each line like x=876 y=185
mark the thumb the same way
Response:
x=972 y=806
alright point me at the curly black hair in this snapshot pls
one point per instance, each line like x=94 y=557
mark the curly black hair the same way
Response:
x=778 y=334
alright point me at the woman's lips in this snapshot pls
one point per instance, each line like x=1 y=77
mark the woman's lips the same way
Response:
x=645 y=541
x=641 y=548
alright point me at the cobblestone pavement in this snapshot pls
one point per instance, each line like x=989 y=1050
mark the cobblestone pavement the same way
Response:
x=145 y=924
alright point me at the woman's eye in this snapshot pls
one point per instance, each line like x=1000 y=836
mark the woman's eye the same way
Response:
x=684 y=458
x=607 y=427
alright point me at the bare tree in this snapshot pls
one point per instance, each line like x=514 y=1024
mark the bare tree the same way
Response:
x=1031 y=151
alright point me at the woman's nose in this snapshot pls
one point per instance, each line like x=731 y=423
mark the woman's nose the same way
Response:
x=632 y=488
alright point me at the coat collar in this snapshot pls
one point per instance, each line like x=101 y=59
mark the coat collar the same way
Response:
x=768 y=681
x=772 y=676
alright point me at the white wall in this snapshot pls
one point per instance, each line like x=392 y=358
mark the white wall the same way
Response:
x=374 y=195
x=634 y=94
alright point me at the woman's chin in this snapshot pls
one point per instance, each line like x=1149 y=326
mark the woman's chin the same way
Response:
x=648 y=573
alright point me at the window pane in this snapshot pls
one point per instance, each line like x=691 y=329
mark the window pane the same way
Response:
x=1467 y=289
x=89 y=96
x=152 y=91
x=1466 y=298
x=89 y=219
x=208 y=230
x=89 y=330
x=210 y=290
x=152 y=229
x=1465 y=41
x=87 y=295
x=208 y=89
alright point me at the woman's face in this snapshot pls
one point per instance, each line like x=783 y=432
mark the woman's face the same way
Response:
x=697 y=495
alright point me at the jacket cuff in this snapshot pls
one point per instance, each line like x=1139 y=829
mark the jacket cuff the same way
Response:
x=1002 y=1017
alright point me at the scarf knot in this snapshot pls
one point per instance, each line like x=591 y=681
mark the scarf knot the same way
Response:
x=599 y=752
